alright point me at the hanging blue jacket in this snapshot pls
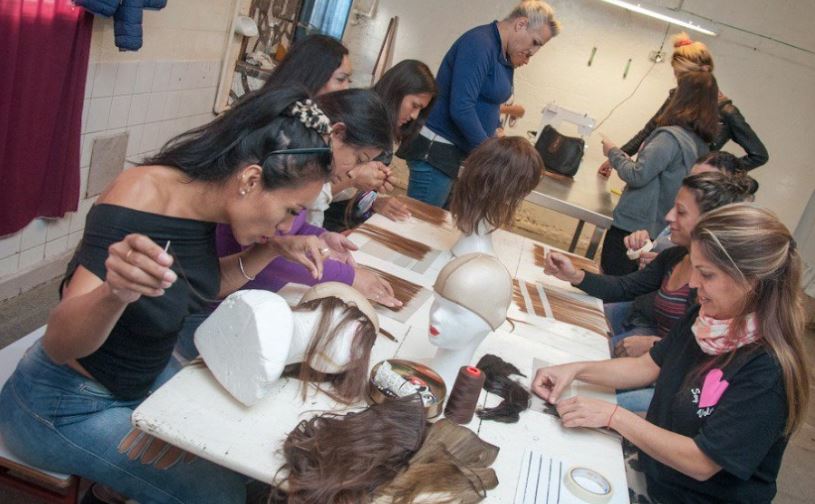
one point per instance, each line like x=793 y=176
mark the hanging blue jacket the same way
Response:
x=127 y=18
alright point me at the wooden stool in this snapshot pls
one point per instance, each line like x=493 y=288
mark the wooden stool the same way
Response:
x=14 y=473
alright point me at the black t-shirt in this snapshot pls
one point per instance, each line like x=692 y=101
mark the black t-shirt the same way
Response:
x=742 y=431
x=141 y=343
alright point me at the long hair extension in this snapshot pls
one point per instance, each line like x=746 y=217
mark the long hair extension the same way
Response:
x=350 y=385
x=568 y=309
x=518 y=296
x=498 y=382
x=342 y=459
x=403 y=290
x=393 y=241
x=578 y=261
x=538 y=308
x=428 y=213
x=451 y=467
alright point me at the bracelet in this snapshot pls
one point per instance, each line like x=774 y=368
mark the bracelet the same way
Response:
x=243 y=271
x=608 y=425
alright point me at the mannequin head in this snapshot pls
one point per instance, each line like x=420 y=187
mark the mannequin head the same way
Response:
x=496 y=177
x=253 y=338
x=473 y=293
x=453 y=327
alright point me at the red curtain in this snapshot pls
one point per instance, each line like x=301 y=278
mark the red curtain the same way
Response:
x=44 y=46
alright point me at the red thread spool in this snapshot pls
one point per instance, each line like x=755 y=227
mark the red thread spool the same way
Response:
x=464 y=396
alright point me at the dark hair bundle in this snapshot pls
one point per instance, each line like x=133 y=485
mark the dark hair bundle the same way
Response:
x=343 y=458
x=498 y=382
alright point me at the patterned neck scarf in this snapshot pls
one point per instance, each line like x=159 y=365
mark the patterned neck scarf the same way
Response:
x=713 y=336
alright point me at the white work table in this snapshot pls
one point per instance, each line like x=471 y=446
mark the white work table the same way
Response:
x=194 y=412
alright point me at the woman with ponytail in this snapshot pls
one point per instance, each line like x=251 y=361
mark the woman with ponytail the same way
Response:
x=694 y=56
x=731 y=377
x=684 y=127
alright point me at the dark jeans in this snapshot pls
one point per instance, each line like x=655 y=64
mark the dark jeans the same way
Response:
x=613 y=259
x=58 y=420
x=427 y=183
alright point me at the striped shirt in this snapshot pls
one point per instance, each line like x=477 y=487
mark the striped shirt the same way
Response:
x=669 y=306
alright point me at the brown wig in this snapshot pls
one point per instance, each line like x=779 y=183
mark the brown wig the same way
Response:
x=348 y=386
x=494 y=180
x=395 y=242
x=406 y=78
x=403 y=290
x=342 y=459
x=694 y=105
x=452 y=466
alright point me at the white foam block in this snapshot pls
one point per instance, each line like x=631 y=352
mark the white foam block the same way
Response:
x=245 y=342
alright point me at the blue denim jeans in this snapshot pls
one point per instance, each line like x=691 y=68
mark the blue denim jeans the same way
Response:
x=56 y=419
x=427 y=183
x=636 y=400
x=617 y=314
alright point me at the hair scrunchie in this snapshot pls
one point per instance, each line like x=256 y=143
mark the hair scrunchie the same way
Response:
x=308 y=113
x=683 y=42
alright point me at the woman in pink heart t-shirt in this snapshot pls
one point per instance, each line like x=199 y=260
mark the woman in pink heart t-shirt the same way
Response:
x=731 y=380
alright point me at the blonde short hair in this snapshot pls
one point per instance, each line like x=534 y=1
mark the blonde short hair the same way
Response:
x=538 y=13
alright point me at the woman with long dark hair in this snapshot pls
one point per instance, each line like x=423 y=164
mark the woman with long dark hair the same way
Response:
x=359 y=129
x=409 y=91
x=732 y=383
x=685 y=126
x=146 y=261
x=318 y=62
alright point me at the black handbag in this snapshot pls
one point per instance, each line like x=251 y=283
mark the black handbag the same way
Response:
x=561 y=154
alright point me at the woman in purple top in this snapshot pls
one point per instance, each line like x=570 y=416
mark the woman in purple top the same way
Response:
x=359 y=131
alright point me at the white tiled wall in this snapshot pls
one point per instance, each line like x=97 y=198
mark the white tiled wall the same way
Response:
x=153 y=101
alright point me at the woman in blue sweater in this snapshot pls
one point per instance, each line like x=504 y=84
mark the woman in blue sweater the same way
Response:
x=474 y=79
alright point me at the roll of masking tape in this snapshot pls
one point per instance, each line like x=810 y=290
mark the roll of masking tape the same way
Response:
x=588 y=485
